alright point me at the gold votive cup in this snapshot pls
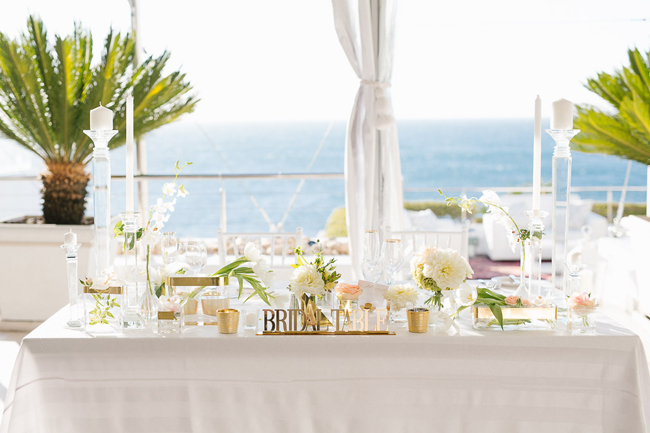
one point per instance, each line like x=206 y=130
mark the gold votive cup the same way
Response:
x=418 y=319
x=228 y=321
x=191 y=306
x=211 y=303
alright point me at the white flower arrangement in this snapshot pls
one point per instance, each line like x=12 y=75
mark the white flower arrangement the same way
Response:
x=493 y=202
x=314 y=279
x=150 y=235
x=400 y=295
x=307 y=279
x=439 y=269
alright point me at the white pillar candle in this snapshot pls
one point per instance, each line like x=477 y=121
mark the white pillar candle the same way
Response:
x=129 y=152
x=537 y=155
x=562 y=116
x=70 y=238
x=101 y=119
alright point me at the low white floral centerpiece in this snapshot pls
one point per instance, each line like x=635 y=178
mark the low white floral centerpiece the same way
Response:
x=401 y=295
x=315 y=278
x=439 y=270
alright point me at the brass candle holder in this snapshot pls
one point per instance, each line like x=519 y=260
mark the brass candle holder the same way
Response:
x=228 y=321
x=191 y=305
x=418 y=319
x=213 y=299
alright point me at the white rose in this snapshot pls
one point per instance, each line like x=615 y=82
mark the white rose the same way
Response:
x=307 y=279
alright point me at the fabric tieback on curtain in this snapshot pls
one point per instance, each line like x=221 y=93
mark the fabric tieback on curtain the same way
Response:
x=383 y=108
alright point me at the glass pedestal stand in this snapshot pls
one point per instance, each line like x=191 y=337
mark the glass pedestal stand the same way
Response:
x=534 y=254
x=102 y=196
x=76 y=306
x=560 y=215
x=131 y=307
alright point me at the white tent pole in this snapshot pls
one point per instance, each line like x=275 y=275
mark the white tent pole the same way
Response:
x=647 y=200
x=140 y=145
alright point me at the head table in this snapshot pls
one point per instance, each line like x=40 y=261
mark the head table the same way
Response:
x=203 y=381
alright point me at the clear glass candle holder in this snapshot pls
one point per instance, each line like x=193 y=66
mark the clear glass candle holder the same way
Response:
x=251 y=317
x=170 y=322
x=398 y=315
x=583 y=320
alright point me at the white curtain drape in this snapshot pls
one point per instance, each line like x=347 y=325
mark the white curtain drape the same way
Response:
x=373 y=175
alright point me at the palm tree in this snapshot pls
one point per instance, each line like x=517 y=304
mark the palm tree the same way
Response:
x=626 y=131
x=47 y=92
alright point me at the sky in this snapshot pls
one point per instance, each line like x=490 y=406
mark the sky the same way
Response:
x=260 y=60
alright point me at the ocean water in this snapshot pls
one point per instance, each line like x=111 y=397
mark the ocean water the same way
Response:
x=446 y=154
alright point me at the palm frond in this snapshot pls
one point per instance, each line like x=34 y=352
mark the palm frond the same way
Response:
x=47 y=90
x=626 y=131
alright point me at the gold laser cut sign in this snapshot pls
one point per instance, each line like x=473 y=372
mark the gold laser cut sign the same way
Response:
x=346 y=322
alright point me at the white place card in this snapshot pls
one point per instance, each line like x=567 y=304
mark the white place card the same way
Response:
x=372 y=293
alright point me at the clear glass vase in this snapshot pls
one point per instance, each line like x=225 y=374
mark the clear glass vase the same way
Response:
x=312 y=317
x=149 y=303
x=583 y=321
x=398 y=315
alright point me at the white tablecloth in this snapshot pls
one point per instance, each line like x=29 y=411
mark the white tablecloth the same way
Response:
x=492 y=381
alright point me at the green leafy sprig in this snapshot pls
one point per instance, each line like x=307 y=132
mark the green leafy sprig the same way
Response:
x=242 y=273
x=103 y=305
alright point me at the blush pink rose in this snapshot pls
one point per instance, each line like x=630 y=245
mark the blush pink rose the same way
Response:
x=525 y=302
x=512 y=300
x=348 y=292
x=582 y=300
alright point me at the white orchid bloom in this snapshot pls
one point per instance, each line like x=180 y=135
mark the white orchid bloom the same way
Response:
x=465 y=204
x=182 y=192
x=159 y=220
x=252 y=253
x=150 y=238
x=490 y=198
x=466 y=295
x=162 y=206
x=169 y=189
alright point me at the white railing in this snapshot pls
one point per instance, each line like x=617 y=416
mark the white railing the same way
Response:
x=609 y=190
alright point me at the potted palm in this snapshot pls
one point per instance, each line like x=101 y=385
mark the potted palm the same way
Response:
x=625 y=131
x=47 y=90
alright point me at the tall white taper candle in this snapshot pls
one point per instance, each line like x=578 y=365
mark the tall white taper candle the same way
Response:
x=537 y=155
x=129 y=152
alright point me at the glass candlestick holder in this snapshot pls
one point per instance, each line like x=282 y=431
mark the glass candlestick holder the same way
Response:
x=560 y=216
x=131 y=273
x=74 y=288
x=102 y=196
x=534 y=253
